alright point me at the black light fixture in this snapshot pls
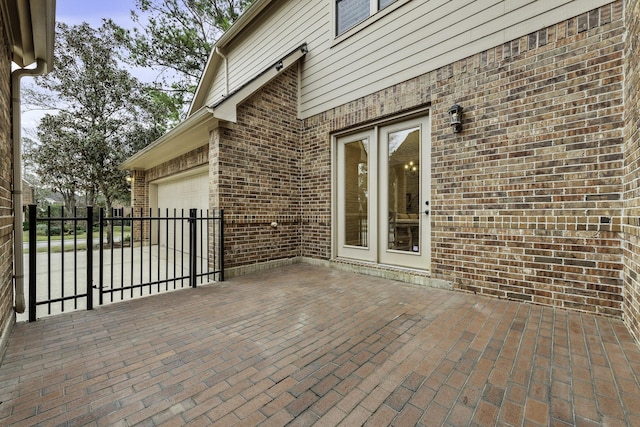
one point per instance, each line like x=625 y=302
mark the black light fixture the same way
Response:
x=455 y=113
x=279 y=65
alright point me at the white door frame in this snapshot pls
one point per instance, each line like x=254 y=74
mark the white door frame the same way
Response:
x=420 y=259
x=369 y=251
x=376 y=249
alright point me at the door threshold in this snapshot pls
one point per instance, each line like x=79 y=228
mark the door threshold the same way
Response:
x=392 y=272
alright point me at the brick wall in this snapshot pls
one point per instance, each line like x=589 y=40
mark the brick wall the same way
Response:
x=316 y=188
x=527 y=200
x=28 y=194
x=6 y=206
x=139 y=203
x=255 y=175
x=190 y=160
x=632 y=169
x=139 y=190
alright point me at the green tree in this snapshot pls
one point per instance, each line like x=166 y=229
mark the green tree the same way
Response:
x=53 y=162
x=104 y=115
x=176 y=38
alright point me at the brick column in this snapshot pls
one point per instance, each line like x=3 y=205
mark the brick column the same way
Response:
x=139 y=203
x=631 y=224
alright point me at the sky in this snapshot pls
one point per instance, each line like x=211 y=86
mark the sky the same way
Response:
x=74 y=12
x=92 y=11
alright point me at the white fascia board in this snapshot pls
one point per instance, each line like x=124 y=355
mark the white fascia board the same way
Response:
x=188 y=135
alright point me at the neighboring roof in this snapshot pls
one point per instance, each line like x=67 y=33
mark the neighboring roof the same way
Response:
x=30 y=27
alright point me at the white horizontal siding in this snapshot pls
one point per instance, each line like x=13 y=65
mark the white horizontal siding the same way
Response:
x=274 y=39
x=219 y=88
x=284 y=27
x=417 y=37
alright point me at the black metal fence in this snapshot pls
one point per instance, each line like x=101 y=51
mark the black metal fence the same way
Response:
x=119 y=255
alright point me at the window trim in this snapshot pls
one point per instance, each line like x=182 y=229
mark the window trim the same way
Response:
x=373 y=17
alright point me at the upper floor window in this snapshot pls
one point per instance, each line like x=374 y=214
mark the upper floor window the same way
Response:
x=351 y=12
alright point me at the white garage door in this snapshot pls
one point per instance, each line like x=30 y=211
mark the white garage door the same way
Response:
x=184 y=193
x=181 y=194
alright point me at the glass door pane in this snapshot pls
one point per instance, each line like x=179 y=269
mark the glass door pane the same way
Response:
x=355 y=197
x=356 y=203
x=403 y=190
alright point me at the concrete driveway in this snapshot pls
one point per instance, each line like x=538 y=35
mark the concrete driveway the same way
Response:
x=308 y=345
x=65 y=273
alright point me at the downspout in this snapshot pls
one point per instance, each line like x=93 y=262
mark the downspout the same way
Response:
x=226 y=69
x=16 y=142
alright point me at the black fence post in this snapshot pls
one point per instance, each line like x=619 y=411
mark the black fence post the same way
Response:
x=33 y=250
x=193 y=247
x=221 y=245
x=89 y=257
x=100 y=255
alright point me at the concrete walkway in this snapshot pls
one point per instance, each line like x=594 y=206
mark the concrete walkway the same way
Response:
x=307 y=345
x=65 y=273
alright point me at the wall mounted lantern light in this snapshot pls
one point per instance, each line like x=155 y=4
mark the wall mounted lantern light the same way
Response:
x=455 y=113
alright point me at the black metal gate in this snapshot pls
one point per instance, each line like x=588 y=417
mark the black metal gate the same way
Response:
x=119 y=255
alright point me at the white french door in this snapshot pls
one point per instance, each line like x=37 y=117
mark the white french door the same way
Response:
x=382 y=192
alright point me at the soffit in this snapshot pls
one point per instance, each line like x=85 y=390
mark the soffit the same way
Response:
x=30 y=26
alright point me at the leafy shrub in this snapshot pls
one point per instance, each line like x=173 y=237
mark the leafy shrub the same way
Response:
x=54 y=230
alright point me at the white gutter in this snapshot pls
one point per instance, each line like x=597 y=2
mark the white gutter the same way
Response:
x=16 y=141
x=163 y=145
x=218 y=52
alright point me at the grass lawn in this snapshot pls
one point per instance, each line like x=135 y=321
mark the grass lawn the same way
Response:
x=81 y=245
x=117 y=231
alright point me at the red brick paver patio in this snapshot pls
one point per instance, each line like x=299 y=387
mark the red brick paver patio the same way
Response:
x=308 y=345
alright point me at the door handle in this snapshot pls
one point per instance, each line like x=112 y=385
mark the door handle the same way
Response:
x=426 y=212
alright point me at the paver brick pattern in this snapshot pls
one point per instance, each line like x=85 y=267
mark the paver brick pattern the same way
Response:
x=305 y=345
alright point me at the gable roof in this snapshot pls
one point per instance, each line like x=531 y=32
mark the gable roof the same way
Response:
x=217 y=53
x=193 y=132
